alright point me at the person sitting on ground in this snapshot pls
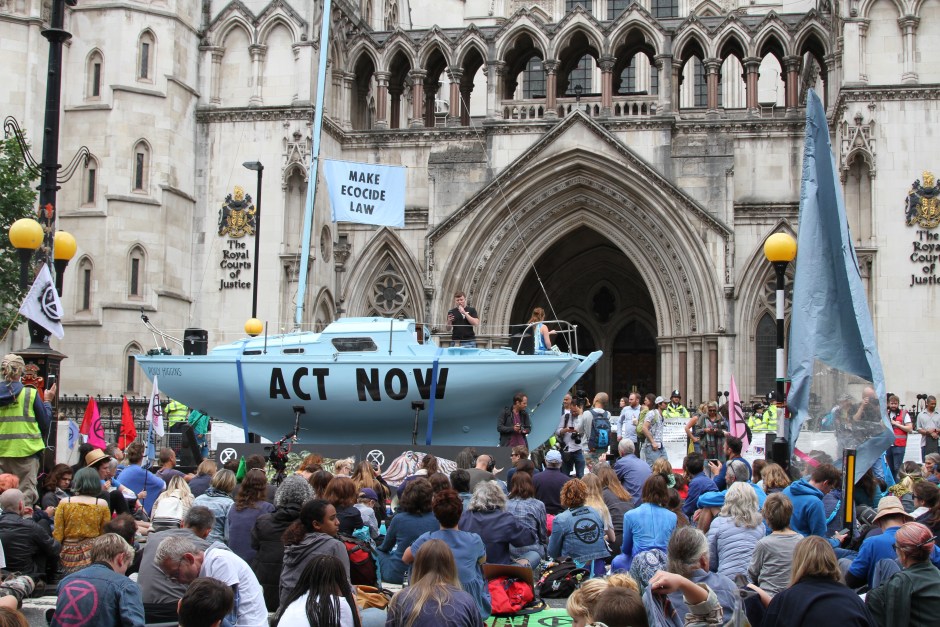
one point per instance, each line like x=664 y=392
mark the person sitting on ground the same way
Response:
x=80 y=519
x=710 y=503
x=460 y=481
x=467 y=548
x=549 y=482
x=595 y=500
x=733 y=535
x=617 y=500
x=140 y=480
x=111 y=490
x=704 y=608
x=322 y=596
x=100 y=593
x=203 y=479
x=341 y=492
x=413 y=518
x=56 y=486
x=774 y=479
x=631 y=470
x=181 y=560
x=699 y=482
x=319 y=480
x=268 y=531
x=868 y=490
x=161 y=595
x=218 y=498
x=816 y=595
x=206 y=603
x=519 y=454
x=926 y=497
x=733 y=447
x=434 y=596
x=482 y=471
x=168 y=466
x=343 y=467
x=171 y=507
x=909 y=475
x=620 y=607
x=125 y=526
x=365 y=503
x=365 y=476
x=529 y=510
x=257 y=462
x=912 y=596
x=579 y=531
x=28 y=548
x=314 y=533
x=249 y=505
x=866 y=568
x=428 y=466
x=581 y=603
x=770 y=563
x=648 y=526
x=487 y=517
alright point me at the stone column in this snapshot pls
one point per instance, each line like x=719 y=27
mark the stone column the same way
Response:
x=417 y=97
x=698 y=374
x=676 y=85
x=751 y=72
x=494 y=75
x=683 y=370
x=791 y=69
x=908 y=25
x=466 y=90
x=664 y=67
x=215 y=54
x=349 y=89
x=551 y=88
x=430 y=100
x=394 y=93
x=712 y=76
x=712 y=369
x=456 y=108
x=333 y=100
x=607 y=86
x=862 y=51
x=257 y=52
x=381 y=99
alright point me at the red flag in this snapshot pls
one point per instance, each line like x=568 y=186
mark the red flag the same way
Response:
x=736 y=416
x=91 y=425
x=128 y=430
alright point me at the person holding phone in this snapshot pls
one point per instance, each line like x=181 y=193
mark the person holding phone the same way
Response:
x=462 y=319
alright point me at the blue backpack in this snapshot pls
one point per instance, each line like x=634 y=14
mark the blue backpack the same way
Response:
x=600 y=431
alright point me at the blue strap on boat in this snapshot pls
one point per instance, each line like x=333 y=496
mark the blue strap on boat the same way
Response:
x=241 y=392
x=434 y=368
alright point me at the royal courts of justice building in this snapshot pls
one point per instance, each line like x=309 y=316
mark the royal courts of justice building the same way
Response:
x=630 y=157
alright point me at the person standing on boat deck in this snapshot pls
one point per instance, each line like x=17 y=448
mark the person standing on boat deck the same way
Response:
x=514 y=423
x=543 y=339
x=462 y=319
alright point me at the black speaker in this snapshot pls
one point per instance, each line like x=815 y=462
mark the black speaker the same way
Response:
x=195 y=342
x=189 y=454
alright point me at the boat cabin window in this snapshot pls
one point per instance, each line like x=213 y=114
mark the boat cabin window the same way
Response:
x=354 y=344
x=292 y=351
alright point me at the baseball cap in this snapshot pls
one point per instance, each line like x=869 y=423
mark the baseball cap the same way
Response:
x=553 y=457
x=659 y=399
x=369 y=493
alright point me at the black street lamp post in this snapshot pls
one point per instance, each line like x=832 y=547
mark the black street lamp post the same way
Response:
x=257 y=167
x=780 y=250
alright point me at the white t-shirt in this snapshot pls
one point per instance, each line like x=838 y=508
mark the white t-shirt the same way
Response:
x=232 y=570
x=296 y=612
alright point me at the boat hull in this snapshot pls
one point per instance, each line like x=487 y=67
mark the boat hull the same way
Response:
x=352 y=398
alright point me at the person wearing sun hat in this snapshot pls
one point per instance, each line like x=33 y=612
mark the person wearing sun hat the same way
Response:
x=891 y=515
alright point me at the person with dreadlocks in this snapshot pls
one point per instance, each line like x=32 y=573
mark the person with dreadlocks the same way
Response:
x=24 y=418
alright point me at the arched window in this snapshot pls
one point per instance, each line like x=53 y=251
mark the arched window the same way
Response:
x=86 y=278
x=146 y=52
x=90 y=183
x=765 y=345
x=141 y=167
x=533 y=79
x=130 y=368
x=581 y=75
x=136 y=272
x=94 y=71
x=858 y=203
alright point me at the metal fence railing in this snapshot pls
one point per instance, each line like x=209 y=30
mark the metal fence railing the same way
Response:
x=109 y=408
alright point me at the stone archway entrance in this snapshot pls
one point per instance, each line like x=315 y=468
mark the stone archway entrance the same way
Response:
x=590 y=282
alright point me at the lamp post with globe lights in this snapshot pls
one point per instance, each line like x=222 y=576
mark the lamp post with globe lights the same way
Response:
x=780 y=250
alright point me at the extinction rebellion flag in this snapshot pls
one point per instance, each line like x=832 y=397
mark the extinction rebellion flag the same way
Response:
x=365 y=193
x=42 y=304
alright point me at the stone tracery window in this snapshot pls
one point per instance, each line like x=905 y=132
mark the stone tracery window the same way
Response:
x=389 y=294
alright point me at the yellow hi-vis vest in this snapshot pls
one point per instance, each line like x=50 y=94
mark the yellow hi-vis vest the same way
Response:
x=679 y=411
x=176 y=412
x=19 y=430
x=766 y=422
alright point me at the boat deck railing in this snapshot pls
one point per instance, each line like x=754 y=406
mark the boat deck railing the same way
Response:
x=522 y=342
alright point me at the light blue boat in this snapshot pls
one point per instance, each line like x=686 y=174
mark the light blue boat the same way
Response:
x=360 y=379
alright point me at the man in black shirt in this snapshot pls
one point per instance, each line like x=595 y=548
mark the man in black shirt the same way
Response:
x=462 y=319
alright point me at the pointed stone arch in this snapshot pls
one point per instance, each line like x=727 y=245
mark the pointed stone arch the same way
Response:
x=224 y=28
x=272 y=22
x=636 y=18
x=688 y=38
x=398 y=43
x=434 y=41
x=324 y=309
x=387 y=267
x=507 y=40
x=474 y=41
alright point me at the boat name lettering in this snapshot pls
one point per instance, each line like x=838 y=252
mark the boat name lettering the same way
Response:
x=279 y=385
x=164 y=372
x=395 y=383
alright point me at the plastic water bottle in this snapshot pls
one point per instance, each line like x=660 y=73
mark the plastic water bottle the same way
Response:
x=382 y=529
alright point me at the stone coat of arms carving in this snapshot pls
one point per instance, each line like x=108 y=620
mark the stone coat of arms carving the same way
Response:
x=237 y=215
x=922 y=206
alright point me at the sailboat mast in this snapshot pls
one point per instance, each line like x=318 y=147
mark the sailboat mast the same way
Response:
x=314 y=162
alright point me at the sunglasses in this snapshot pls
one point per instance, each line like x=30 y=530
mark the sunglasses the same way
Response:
x=916 y=546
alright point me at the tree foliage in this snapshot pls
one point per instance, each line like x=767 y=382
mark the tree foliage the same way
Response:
x=17 y=200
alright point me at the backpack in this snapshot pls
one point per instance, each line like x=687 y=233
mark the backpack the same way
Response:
x=362 y=565
x=560 y=579
x=168 y=513
x=641 y=438
x=600 y=431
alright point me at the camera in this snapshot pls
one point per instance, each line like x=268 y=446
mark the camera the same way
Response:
x=576 y=438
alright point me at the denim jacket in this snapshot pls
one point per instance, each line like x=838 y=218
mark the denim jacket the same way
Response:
x=97 y=595
x=579 y=534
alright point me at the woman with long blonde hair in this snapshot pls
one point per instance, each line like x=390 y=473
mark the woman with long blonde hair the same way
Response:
x=434 y=596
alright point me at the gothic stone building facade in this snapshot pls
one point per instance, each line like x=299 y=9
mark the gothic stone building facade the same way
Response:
x=630 y=157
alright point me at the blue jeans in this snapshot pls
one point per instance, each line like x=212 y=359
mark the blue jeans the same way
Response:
x=896 y=459
x=652 y=455
x=573 y=461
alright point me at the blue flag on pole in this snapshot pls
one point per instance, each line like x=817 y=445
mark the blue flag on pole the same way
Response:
x=837 y=394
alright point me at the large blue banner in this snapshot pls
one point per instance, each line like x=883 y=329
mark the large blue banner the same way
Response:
x=366 y=193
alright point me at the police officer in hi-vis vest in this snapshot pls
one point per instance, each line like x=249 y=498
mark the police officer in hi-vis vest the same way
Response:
x=24 y=418
x=766 y=422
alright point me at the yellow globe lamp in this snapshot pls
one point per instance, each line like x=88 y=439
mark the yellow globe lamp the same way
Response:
x=780 y=247
x=26 y=234
x=64 y=246
x=253 y=327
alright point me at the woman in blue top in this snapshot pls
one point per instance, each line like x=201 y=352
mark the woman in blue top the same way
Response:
x=413 y=518
x=468 y=549
x=649 y=526
x=542 y=336
x=578 y=532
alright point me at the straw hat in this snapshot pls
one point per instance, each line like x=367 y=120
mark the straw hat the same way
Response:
x=890 y=506
x=95 y=456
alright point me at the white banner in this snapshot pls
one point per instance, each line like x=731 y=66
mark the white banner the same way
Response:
x=366 y=193
x=42 y=304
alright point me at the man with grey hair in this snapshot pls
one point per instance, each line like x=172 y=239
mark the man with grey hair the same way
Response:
x=24 y=419
x=161 y=595
x=100 y=594
x=182 y=561
x=631 y=470
x=29 y=549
